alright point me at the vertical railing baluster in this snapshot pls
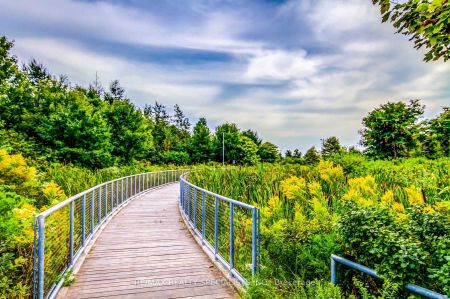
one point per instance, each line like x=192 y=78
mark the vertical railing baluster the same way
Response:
x=122 y=192
x=92 y=213
x=333 y=271
x=254 y=270
x=203 y=216
x=117 y=193
x=111 y=199
x=83 y=219
x=99 y=193
x=106 y=200
x=195 y=208
x=231 y=236
x=71 y=232
x=41 y=256
x=189 y=203
x=216 y=227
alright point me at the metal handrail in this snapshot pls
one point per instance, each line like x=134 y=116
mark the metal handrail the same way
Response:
x=410 y=287
x=189 y=194
x=85 y=213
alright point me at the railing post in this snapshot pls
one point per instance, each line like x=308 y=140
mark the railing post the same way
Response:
x=117 y=193
x=181 y=194
x=71 y=233
x=216 y=227
x=189 y=203
x=195 y=208
x=231 y=236
x=41 y=255
x=83 y=219
x=333 y=272
x=92 y=213
x=106 y=200
x=126 y=194
x=111 y=199
x=146 y=181
x=135 y=185
x=122 y=191
x=203 y=217
x=99 y=204
x=254 y=241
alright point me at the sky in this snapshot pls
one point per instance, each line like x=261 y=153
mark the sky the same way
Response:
x=294 y=71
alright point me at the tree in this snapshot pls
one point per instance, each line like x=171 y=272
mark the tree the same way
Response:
x=391 y=131
x=36 y=71
x=248 y=151
x=268 y=152
x=201 y=149
x=253 y=135
x=181 y=122
x=426 y=21
x=116 y=92
x=297 y=153
x=75 y=132
x=435 y=138
x=288 y=154
x=232 y=148
x=312 y=156
x=131 y=132
x=331 y=146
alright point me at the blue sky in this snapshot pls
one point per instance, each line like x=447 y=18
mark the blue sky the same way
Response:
x=295 y=71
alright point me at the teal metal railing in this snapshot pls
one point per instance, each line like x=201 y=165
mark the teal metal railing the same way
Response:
x=410 y=287
x=227 y=228
x=62 y=233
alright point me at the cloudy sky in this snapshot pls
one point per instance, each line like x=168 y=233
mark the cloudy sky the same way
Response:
x=295 y=71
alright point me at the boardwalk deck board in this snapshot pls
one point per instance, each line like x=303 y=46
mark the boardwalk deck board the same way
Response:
x=145 y=251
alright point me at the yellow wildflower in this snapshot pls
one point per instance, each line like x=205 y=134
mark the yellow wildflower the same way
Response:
x=329 y=172
x=53 y=192
x=398 y=207
x=429 y=209
x=362 y=191
x=414 y=196
x=387 y=199
x=293 y=187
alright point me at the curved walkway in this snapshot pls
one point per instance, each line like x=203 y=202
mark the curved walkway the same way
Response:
x=145 y=251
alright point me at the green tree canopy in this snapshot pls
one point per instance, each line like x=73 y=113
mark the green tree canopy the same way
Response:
x=268 y=152
x=201 y=147
x=312 y=156
x=131 y=132
x=391 y=131
x=248 y=151
x=427 y=22
x=231 y=138
x=331 y=146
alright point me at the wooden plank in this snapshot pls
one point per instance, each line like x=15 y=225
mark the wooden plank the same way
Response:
x=146 y=252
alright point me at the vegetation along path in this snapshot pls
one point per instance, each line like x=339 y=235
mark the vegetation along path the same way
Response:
x=146 y=252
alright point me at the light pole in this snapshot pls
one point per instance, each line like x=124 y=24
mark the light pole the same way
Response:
x=223 y=148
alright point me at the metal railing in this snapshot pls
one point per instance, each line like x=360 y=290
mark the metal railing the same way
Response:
x=62 y=233
x=410 y=287
x=228 y=228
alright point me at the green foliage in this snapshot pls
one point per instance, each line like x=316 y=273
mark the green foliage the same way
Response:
x=268 y=152
x=131 y=136
x=331 y=146
x=201 y=147
x=426 y=21
x=248 y=151
x=391 y=130
x=175 y=157
x=373 y=212
x=312 y=156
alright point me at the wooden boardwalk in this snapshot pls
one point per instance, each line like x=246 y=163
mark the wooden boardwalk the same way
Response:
x=146 y=251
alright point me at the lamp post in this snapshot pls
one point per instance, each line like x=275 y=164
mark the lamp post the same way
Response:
x=223 y=148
